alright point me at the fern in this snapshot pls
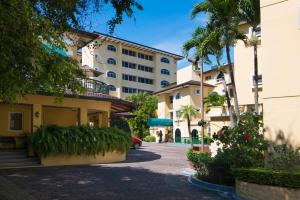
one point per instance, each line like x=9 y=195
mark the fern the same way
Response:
x=80 y=140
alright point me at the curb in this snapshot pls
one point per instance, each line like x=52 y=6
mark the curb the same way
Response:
x=225 y=191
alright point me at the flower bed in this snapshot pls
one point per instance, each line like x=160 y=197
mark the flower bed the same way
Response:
x=79 y=145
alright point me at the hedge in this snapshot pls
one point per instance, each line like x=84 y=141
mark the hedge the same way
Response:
x=79 y=140
x=265 y=176
x=150 y=138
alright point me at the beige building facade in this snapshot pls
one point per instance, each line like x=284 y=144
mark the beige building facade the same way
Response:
x=280 y=22
x=187 y=91
x=279 y=88
x=128 y=67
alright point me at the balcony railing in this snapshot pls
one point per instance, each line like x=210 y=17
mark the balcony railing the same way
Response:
x=94 y=86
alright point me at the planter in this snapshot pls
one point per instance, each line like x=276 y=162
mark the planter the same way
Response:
x=58 y=160
x=251 y=191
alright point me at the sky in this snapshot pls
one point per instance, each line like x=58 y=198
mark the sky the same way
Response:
x=163 y=24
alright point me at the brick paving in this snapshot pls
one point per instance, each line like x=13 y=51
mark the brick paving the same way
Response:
x=154 y=172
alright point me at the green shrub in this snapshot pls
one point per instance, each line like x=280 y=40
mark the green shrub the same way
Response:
x=79 y=140
x=200 y=161
x=264 y=176
x=243 y=145
x=214 y=170
x=283 y=157
x=149 y=138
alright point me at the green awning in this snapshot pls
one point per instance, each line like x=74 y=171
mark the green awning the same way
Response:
x=159 y=122
x=56 y=50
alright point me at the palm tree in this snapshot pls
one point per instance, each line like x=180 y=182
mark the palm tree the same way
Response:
x=224 y=19
x=207 y=42
x=250 y=13
x=188 y=112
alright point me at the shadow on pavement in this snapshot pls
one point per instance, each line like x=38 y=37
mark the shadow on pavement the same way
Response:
x=97 y=182
x=140 y=155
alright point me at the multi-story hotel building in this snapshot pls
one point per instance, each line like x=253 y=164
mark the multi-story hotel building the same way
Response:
x=186 y=91
x=128 y=67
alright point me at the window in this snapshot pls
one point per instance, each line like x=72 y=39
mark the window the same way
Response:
x=165 y=71
x=111 y=74
x=171 y=99
x=145 y=56
x=128 y=77
x=207 y=77
x=147 y=91
x=259 y=80
x=145 y=68
x=145 y=80
x=219 y=77
x=16 y=121
x=111 y=61
x=112 y=88
x=128 y=90
x=165 y=60
x=231 y=92
x=111 y=48
x=178 y=113
x=164 y=83
x=128 y=65
x=128 y=52
x=171 y=115
x=198 y=92
x=178 y=96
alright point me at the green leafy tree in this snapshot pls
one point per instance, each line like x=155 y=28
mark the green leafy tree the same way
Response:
x=26 y=66
x=213 y=100
x=146 y=105
x=188 y=112
x=224 y=20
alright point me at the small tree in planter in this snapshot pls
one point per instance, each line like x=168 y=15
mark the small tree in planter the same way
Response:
x=188 y=112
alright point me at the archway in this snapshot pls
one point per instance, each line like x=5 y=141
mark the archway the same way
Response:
x=195 y=136
x=177 y=135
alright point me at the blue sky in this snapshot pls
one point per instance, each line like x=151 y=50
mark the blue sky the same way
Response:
x=163 y=24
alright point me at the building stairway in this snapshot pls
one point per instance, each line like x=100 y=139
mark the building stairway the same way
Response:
x=16 y=158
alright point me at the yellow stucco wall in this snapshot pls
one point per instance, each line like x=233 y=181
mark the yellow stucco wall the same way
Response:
x=4 y=119
x=60 y=116
x=58 y=160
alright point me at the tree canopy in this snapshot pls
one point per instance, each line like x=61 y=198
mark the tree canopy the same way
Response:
x=146 y=105
x=26 y=66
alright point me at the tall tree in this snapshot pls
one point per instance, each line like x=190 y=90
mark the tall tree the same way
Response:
x=146 y=105
x=207 y=42
x=188 y=112
x=250 y=13
x=224 y=19
x=26 y=66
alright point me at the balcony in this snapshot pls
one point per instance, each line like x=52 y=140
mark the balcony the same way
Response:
x=220 y=111
x=94 y=87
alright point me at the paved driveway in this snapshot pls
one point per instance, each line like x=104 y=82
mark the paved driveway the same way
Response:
x=154 y=172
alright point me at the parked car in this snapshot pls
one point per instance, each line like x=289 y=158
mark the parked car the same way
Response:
x=136 y=142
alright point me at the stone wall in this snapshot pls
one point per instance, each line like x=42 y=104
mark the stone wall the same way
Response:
x=250 y=191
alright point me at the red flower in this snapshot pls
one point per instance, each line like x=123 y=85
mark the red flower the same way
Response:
x=246 y=137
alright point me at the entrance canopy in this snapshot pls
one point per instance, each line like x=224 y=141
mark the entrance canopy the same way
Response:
x=159 y=122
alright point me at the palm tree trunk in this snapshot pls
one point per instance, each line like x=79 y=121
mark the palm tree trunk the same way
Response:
x=236 y=104
x=228 y=101
x=189 y=130
x=256 y=80
x=229 y=107
x=202 y=107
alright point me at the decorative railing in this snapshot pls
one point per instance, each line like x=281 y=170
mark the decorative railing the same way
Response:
x=94 y=86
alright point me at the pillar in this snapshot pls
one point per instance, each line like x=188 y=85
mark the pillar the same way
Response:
x=83 y=116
